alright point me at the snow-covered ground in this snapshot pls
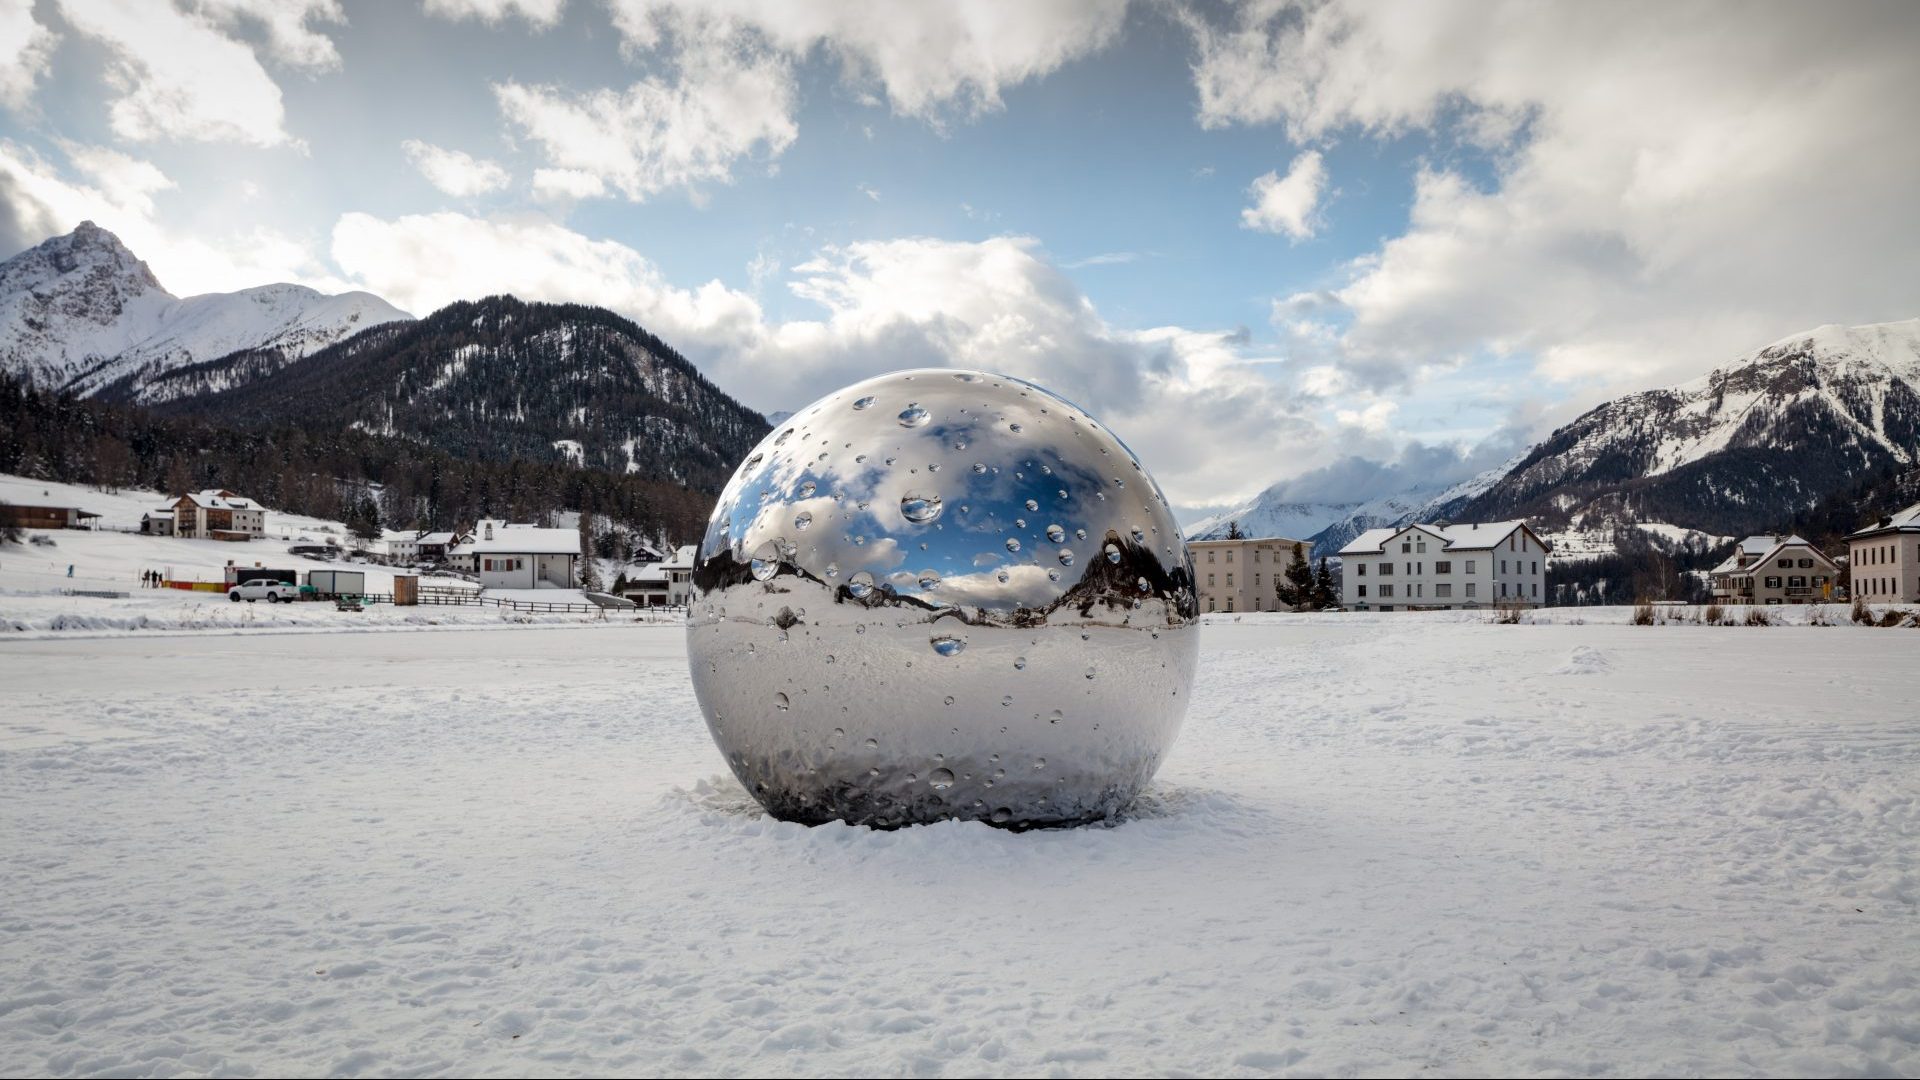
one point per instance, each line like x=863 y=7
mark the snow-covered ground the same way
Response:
x=35 y=587
x=1382 y=845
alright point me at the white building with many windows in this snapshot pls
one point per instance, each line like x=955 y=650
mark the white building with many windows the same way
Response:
x=1884 y=560
x=1436 y=567
x=1239 y=575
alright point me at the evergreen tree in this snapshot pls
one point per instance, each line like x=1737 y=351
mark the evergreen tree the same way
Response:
x=1234 y=532
x=589 y=577
x=1324 y=594
x=1295 y=590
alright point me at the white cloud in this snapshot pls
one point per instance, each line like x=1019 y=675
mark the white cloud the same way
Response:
x=290 y=40
x=924 y=58
x=539 y=13
x=1286 y=204
x=1671 y=185
x=177 y=74
x=115 y=190
x=26 y=48
x=868 y=191
x=453 y=171
x=1209 y=421
x=566 y=185
x=726 y=101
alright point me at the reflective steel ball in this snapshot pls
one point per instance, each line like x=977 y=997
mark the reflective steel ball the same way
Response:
x=943 y=594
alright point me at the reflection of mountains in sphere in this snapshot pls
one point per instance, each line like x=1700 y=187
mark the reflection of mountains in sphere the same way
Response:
x=943 y=594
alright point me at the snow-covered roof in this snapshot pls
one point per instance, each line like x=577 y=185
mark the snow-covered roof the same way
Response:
x=401 y=536
x=650 y=572
x=1907 y=520
x=682 y=559
x=1760 y=549
x=508 y=539
x=1481 y=536
x=217 y=499
x=436 y=538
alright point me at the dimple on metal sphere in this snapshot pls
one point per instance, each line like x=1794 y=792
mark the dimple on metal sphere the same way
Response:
x=943 y=594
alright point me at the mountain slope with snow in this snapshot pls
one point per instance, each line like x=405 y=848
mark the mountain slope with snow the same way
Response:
x=81 y=312
x=496 y=379
x=1740 y=449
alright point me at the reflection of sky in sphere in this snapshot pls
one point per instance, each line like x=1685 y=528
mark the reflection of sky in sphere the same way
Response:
x=955 y=481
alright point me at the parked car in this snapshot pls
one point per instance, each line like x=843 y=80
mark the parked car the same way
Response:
x=38 y=540
x=273 y=592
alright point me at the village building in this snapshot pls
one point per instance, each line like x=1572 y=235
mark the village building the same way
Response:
x=1774 y=570
x=436 y=547
x=157 y=522
x=1883 y=560
x=510 y=556
x=217 y=514
x=403 y=546
x=45 y=517
x=1441 y=566
x=1240 y=575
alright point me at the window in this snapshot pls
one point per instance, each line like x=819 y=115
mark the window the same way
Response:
x=1819 y=579
x=1359 y=569
x=1229 y=581
x=1229 y=603
x=1363 y=592
x=1443 y=590
x=1210 y=603
x=1503 y=588
x=1805 y=563
x=1786 y=564
x=1229 y=556
x=1209 y=581
x=1470 y=588
x=1503 y=566
x=1209 y=556
x=1386 y=591
x=1536 y=566
x=1797 y=581
x=1773 y=581
x=1406 y=549
x=1386 y=568
x=1469 y=569
x=1256 y=580
x=1421 y=547
x=1536 y=588
x=1443 y=568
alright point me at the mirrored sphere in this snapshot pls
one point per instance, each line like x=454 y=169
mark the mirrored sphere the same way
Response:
x=928 y=646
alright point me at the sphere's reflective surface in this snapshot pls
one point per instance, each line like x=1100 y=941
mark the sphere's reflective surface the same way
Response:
x=943 y=594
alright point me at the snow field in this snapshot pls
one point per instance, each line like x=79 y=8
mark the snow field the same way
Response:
x=1380 y=845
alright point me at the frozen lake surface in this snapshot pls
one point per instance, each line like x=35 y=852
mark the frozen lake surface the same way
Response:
x=1381 y=845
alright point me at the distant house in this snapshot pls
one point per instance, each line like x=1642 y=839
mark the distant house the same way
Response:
x=509 y=556
x=647 y=586
x=1774 y=570
x=1239 y=575
x=45 y=517
x=1439 y=567
x=217 y=514
x=157 y=522
x=1884 y=559
x=436 y=546
x=403 y=546
x=678 y=569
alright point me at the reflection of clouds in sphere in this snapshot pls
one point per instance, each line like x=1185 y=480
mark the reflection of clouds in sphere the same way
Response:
x=942 y=594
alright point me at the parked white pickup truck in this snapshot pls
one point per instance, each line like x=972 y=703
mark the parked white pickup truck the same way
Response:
x=264 y=589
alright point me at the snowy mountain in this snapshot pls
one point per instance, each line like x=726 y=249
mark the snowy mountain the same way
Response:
x=1330 y=525
x=498 y=379
x=1740 y=449
x=81 y=312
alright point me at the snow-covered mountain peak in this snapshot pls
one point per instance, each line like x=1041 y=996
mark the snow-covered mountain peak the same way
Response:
x=82 y=312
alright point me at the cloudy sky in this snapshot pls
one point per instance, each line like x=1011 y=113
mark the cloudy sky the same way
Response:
x=1358 y=245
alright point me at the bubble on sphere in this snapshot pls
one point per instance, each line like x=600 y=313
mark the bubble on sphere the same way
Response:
x=960 y=644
